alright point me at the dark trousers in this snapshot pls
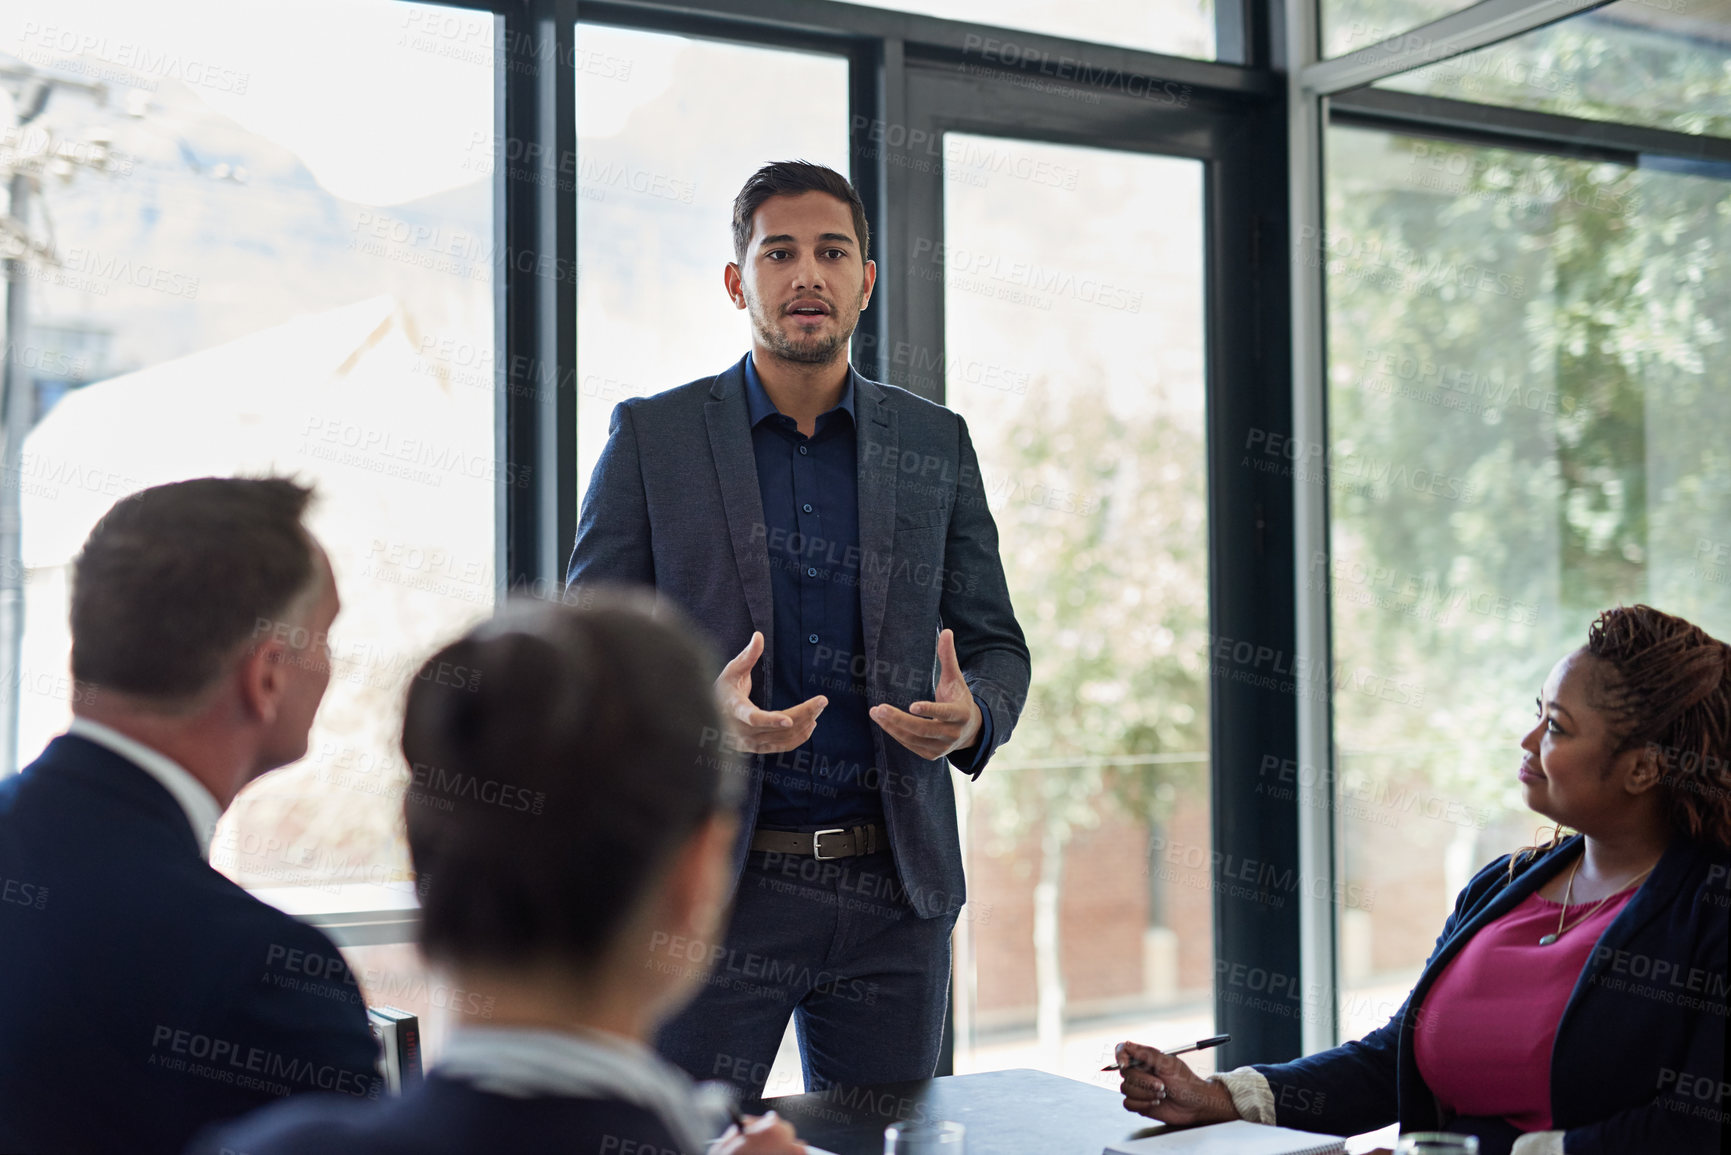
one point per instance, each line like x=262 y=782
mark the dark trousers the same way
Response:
x=835 y=944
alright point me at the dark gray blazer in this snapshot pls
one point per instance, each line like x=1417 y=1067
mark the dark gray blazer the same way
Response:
x=674 y=503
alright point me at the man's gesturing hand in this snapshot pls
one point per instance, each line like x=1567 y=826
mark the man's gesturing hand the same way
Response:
x=934 y=729
x=762 y=731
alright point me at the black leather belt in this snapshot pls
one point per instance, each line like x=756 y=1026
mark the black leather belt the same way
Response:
x=838 y=842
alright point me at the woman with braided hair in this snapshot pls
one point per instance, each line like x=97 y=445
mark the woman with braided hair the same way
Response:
x=1576 y=998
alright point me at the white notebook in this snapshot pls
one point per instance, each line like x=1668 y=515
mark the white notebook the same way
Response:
x=1235 y=1138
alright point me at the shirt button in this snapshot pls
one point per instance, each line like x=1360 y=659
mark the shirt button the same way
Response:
x=812 y=572
x=807 y=507
x=812 y=638
x=804 y=450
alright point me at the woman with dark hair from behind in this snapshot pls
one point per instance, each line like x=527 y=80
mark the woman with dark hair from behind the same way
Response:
x=1576 y=999
x=570 y=817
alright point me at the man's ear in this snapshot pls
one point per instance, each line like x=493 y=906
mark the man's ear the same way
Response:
x=735 y=282
x=263 y=674
x=870 y=282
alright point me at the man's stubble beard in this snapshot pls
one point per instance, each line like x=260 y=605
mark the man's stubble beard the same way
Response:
x=820 y=352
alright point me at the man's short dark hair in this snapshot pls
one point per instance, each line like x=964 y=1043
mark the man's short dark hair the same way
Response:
x=558 y=758
x=175 y=578
x=790 y=178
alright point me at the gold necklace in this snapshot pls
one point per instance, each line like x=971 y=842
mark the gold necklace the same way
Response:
x=1568 y=892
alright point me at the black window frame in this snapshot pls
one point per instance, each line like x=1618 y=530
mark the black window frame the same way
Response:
x=1233 y=120
x=1239 y=119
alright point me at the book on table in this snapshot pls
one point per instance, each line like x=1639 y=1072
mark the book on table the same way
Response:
x=1235 y=1138
x=399 y=1036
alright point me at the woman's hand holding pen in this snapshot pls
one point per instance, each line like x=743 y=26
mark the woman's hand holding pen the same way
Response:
x=766 y=1134
x=1161 y=1087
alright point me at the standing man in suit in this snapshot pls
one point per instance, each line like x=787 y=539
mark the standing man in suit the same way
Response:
x=142 y=994
x=832 y=532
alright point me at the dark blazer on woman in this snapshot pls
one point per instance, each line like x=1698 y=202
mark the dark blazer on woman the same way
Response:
x=445 y=1117
x=1642 y=1036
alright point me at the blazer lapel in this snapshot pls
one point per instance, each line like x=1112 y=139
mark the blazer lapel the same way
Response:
x=875 y=428
x=1647 y=903
x=736 y=470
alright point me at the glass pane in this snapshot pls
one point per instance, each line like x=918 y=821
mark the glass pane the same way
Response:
x=668 y=129
x=1174 y=27
x=1527 y=411
x=233 y=270
x=1659 y=63
x=1076 y=356
x=1348 y=25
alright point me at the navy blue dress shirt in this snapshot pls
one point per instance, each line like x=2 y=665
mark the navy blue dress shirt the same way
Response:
x=810 y=492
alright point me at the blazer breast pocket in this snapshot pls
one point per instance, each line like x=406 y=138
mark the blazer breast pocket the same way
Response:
x=938 y=515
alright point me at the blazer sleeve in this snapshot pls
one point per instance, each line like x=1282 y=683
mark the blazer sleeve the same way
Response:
x=1344 y=1091
x=1353 y=1088
x=1675 y=1122
x=613 y=544
x=975 y=604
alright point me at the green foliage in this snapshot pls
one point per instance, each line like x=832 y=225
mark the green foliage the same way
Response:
x=1551 y=333
x=1102 y=523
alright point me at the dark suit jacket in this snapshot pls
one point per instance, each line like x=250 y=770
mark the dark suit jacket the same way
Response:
x=674 y=503
x=445 y=1117
x=142 y=994
x=1642 y=1029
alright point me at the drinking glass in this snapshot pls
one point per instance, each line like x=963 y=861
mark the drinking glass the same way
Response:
x=923 y=1138
x=1436 y=1143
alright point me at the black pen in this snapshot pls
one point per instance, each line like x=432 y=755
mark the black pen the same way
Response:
x=1198 y=1045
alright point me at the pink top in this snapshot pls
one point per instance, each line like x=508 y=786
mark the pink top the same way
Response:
x=1483 y=1036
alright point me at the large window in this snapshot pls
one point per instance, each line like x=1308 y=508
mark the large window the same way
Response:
x=1076 y=356
x=237 y=242
x=1527 y=413
x=243 y=244
x=243 y=253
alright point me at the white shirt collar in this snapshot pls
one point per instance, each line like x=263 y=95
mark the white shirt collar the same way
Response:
x=525 y=1062
x=200 y=805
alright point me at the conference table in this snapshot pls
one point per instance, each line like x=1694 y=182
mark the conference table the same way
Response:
x=1018 y=1112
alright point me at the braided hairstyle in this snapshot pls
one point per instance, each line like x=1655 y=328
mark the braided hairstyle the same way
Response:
x=1665 y=685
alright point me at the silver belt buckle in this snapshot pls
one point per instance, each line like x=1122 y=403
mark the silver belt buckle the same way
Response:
x=817 y=844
